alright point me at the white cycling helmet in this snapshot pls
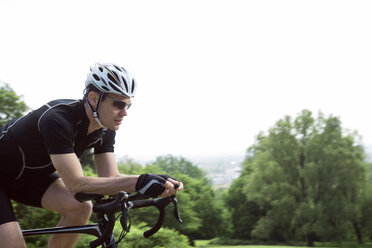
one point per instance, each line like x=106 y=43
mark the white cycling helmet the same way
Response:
x=111 y=78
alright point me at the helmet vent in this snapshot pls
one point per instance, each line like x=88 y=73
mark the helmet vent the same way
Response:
x=125 y=83
x=100 y=68
x=116 y=77
x=96 y=77
x=104 y=81
x=132 y=85
x=114 y=86
x=118 y=68
x=105 y=88
x=111 y=78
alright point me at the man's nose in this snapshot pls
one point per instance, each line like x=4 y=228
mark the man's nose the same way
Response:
x=123 y=112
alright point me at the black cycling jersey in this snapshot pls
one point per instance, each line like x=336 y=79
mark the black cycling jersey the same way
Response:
x=58 y=127
x=26 y=170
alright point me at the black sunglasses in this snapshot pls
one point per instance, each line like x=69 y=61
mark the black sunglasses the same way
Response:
x=121 y=104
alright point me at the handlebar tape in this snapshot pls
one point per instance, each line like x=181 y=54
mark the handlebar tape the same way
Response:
x=158 y=224
x=160 y=204
x=82 y=197
x=110 y=207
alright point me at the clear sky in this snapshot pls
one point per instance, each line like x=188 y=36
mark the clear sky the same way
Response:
x=211 y=74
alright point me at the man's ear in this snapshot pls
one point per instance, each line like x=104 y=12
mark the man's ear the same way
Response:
x=93 y=98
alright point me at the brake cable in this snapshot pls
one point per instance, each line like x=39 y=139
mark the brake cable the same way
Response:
x=125 y=221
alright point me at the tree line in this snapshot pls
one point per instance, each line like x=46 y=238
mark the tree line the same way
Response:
x=304 y=180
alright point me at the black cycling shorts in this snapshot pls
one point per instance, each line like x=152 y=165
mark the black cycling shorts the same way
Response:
x=26 y=186
x=28 y=191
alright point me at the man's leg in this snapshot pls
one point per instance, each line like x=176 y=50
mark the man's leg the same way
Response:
x=10 y=232
x=11 y=236
x=58 y=198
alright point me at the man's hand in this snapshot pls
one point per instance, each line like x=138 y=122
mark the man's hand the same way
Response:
x=157 y=184
x=172 y=185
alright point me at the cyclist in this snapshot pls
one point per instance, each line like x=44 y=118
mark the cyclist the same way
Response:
x=39 y=153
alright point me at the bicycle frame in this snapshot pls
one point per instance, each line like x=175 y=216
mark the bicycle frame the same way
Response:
x=92 y=229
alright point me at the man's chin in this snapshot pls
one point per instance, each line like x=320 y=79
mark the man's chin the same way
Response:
x=114 y=128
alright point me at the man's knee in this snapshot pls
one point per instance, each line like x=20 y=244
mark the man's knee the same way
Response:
x=58 y=198
x=79 y=210
x=86 y=208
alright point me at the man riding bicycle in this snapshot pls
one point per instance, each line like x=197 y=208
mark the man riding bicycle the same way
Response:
x=39 y=153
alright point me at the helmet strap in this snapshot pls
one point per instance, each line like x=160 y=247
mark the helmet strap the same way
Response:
x=95 y=111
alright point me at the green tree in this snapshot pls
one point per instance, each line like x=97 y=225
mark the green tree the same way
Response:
x=362 y=217
x=11 y=105
x=129 y=167
x=306 y=175
x=244 y=214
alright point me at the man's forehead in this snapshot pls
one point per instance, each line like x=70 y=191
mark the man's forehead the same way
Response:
x=118 y=97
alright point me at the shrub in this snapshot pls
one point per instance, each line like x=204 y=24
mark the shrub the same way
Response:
x=134 y=239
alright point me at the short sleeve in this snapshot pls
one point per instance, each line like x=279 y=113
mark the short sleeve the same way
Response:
x=57 y=132
x=107 y=144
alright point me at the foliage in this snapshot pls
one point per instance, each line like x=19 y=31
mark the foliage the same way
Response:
x=164 y=238
x=244 y=213
x=11 y=105
x=129 y=167
x=363 y=216
x=306 y=176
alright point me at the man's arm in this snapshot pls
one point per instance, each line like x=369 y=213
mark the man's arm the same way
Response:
x=106 y=165
x=70 y=170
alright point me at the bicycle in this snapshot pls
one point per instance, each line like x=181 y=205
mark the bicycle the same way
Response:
x=105 y=210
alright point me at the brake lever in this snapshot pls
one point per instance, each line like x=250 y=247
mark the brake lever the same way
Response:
x=125 y=206
x=176 y=213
